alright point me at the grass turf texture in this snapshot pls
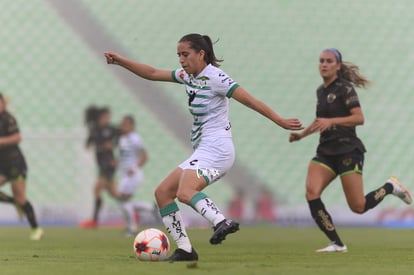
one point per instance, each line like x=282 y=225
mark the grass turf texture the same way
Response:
x=253 y=250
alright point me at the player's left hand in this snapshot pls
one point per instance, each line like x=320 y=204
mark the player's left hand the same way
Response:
x=323 y=124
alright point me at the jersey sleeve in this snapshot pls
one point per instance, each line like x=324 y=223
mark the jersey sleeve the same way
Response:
x=178 y=75
x=351 y=99
x=12 y=127
x=225 y=85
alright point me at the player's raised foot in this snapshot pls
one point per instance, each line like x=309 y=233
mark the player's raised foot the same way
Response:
x=399 y=190
x=88 y=224
x=333 y=247
x=222 y=229
x=19 y=211
x=37 y=234
x=181 y=255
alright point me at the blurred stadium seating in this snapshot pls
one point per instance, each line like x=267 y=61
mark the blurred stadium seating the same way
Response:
x=270 y=47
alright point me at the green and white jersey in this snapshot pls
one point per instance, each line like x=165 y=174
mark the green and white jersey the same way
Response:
x=208 y=102
x=129 y=147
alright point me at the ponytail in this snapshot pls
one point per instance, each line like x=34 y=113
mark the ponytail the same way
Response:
x=350 y=72
x=200 y=42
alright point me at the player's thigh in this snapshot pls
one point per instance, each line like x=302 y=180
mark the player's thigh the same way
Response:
x=166 y=191
x=19 y=191
x=190 y=184
x=319 y=176
x=352 y=185
x=111 y=187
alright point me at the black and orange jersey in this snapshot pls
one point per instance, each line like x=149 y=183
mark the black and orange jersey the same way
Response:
x=104 y=139
x=8 y=127
x=337 y=100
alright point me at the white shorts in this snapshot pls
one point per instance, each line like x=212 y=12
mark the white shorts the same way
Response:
x=128 y=183
x=212 y=159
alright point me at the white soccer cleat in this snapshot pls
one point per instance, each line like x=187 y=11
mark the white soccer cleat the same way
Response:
x=37 y=234
x=399 y=190
x=333 y=247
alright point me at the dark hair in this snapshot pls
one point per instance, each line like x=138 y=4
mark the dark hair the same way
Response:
x=200 y=42
x=92 y=115
x=130 y=118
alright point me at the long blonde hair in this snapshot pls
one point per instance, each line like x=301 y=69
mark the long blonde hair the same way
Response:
x=350 y=72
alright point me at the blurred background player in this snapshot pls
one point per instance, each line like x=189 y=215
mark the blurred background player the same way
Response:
x=133 y=157
x=208 y=89
x=340 y=152
x=103 y=137
x=13 y=169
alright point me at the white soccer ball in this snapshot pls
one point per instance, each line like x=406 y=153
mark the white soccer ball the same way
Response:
x=151 y=245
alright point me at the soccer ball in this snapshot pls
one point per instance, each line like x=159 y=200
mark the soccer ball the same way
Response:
x=151 y=245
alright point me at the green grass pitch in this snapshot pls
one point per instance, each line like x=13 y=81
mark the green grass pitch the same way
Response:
x=253 y=250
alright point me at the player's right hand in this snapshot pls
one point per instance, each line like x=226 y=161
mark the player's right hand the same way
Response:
x=112 y=58
x=294 y=137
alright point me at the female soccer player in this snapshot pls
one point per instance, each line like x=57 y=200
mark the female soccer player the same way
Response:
x=340 y=151
x=103 y=136
x=208 y=89
x=133 y=157
x=13 y=169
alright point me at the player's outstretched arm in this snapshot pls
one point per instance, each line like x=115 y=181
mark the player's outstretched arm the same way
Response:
x=242 y=96
x=142 y=70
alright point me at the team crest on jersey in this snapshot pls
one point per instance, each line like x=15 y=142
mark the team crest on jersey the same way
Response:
x=203 y=81
x=331 y=98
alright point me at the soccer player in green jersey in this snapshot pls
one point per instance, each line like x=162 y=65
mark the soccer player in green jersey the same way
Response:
x=208 y=89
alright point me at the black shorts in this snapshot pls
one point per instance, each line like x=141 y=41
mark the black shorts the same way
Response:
x=348 y=163
x=14 y=170
x=106 y=170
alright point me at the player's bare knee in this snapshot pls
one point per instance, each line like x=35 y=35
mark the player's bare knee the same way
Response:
x=312 y=194
x=158 y=193
x=357 y=208
x=183 y=197
x=20 y=200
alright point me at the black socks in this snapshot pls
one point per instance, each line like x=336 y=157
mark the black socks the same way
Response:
x=324 y=221
x=31 y=217
x=6 y=198
x=98 y=205
x=375 y=197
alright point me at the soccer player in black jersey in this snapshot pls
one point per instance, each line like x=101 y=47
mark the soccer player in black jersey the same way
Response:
x=340 y=151
x=103 y=136
x=13 y=169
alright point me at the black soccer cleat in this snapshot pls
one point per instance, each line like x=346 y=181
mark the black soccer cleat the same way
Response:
x=181 y=255
x=222 y=229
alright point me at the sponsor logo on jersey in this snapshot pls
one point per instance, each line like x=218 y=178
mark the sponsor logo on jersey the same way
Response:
x=210 y=173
